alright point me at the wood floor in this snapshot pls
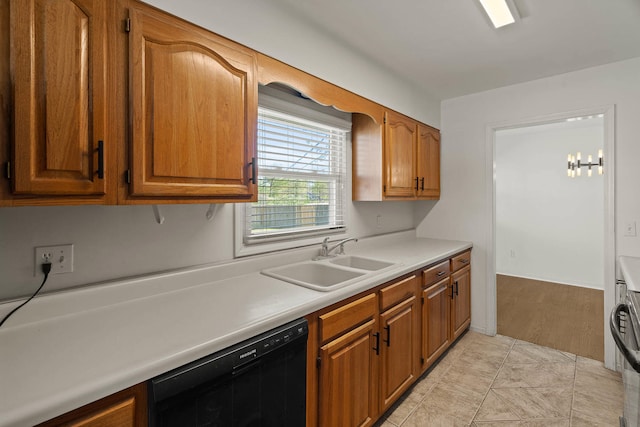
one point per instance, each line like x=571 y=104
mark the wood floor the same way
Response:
x=567 y=318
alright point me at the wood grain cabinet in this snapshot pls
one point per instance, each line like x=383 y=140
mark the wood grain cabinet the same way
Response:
x=436 y=308
x=408 y=166
x=193 y=107
x=428 y=163
x=366 y=355
x=127 y=408
x=348 y=361
x=57 y=85
x=461 y=294
x=399 y=323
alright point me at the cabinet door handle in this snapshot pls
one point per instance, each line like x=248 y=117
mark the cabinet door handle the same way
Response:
x=441 y=273
x=422 y=183
x=417 y=179
x=100 y=171
x=451 y=291
x=377 y=347
x=253 y=170
x=388 y=340
x=456 y=282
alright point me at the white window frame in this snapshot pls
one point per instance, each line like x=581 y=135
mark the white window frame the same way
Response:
x=280 y=101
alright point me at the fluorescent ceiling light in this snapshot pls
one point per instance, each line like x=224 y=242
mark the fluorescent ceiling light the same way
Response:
x=498 y=12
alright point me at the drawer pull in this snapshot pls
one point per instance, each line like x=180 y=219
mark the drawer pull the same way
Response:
x=464 y=261
x=441 y=273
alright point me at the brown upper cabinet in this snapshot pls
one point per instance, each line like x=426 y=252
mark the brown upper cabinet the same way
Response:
x=63 y=150
x=117 y=102
x=398 y=159
x=193 y=107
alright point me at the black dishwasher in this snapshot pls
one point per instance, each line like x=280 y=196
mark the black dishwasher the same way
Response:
x=260 y=382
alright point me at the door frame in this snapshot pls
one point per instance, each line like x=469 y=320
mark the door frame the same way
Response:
x=609 y=261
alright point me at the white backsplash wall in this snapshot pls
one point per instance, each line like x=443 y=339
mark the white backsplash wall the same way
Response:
x=112 y=242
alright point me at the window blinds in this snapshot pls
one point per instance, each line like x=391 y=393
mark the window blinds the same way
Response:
x=301 y=177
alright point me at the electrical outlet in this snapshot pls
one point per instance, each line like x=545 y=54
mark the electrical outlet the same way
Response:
x=60 y=257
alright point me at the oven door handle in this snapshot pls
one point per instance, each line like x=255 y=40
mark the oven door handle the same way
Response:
x=630 y=355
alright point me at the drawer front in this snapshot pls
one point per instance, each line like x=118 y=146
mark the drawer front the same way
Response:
x=397 y=292
x=460 y=261
x=436 y=273
x=346 y=317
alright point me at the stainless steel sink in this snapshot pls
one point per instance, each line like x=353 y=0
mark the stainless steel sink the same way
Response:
x=329 y=274
x=361 y=263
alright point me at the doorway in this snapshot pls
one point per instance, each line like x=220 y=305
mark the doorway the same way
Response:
x=552 y=234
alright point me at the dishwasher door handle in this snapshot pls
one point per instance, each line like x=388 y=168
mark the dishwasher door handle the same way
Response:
x=632 y=356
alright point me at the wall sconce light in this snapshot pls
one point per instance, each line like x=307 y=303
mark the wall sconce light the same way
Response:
x=574 y=165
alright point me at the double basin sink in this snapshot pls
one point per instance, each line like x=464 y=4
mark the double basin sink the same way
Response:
x=329 y=274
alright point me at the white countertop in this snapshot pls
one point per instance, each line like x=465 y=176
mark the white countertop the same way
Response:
x=630 y=267
x=64 y=350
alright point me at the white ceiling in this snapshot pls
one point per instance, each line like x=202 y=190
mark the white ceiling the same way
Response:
x=449 y=48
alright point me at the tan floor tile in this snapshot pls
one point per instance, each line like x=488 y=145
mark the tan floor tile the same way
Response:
x=532 y=403
x=579 y=419
x=495 y=409
x=548 y=375
x=553 y=422
x=598 y=392
x=447 y=401
x=402 y=411
x=430 y=416
x=523 y=352
x=467 y=381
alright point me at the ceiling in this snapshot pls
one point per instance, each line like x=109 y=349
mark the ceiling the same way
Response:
x=450 y=49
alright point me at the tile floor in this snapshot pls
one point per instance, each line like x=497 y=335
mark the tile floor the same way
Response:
x=499 y=381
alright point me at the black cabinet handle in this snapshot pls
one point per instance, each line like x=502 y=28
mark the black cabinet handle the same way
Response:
x=100 y=171
x=388 y=340
x=253 y=170
x=456 y=282
x=441 y=273
x=422 y=183
x=377 y=347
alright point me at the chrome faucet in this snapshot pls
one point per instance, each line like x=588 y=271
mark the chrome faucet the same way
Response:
x=325 y=251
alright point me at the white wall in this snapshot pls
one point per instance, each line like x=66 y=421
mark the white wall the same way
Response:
x=464 y=209
x=120 y=241
x=549 y=226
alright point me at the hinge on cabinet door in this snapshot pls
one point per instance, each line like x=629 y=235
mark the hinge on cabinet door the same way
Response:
x=422 y=360
x=127 y=176
x=7 y=170
x=127 y=25
x=422 y=300
x=384 y=188
x=384 y=119
x=318 y=361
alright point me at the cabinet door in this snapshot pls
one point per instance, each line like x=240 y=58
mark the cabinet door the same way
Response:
x=348 y=379
x=428 y=163
x=58 y=63
x=399 y=156
x=127 y=408
x=461 y=303
x=397 y=354
x=436 y=303
x=194 y=108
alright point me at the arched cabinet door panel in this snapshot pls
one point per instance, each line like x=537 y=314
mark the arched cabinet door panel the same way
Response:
x=193 y=100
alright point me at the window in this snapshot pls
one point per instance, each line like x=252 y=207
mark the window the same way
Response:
x=302 y=173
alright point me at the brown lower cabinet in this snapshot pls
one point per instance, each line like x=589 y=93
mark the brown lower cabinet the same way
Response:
x=126 y=408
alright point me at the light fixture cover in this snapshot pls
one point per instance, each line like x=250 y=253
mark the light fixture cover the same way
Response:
x=498 y=12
